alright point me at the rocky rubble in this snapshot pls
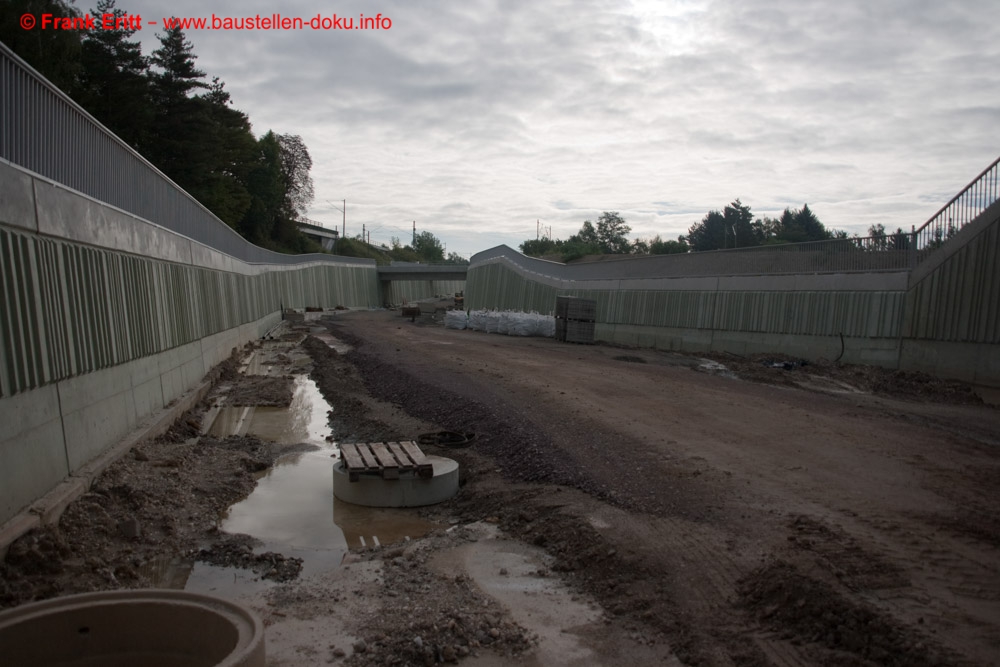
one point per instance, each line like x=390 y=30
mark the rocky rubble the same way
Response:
x=426 y=618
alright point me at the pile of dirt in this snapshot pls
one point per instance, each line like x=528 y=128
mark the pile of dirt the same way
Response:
x=426 y=618
x=840 y=630
x=256 y=390
x=237 y=551
x=155 y=504
x=338 y=382
x=839 y=554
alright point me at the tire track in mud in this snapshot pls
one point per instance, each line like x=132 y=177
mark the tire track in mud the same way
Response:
x=705 y=609
x=635 y=591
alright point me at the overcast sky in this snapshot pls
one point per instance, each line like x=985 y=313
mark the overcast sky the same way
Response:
x=476 y=118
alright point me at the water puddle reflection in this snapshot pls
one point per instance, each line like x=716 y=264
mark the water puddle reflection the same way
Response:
x=292 y=510
x=340 y=346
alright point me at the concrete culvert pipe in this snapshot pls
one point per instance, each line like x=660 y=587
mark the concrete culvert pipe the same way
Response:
x=153 y=628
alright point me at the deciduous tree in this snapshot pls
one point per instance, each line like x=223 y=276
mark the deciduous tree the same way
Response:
x=428 y=247
x=612 y=233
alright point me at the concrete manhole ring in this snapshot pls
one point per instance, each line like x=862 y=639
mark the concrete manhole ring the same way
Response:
x=123 y=628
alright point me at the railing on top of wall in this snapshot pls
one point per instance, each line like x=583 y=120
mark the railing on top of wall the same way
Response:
x=44 y=131
x=980 y=194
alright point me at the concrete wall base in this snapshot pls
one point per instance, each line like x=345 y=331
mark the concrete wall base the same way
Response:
x=975 y=363
x=61 y=436
x=856 y=350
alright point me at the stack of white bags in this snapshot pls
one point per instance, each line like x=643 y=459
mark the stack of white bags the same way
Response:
x=506 y=322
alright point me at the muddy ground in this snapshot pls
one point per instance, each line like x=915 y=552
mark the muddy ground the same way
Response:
x=617 y=506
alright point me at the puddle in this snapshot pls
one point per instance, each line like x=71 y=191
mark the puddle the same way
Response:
x=230 y=421
x=517 y=575
x=304 y=420
x=340 y=346
x=292 y=510
x=715 y=368
x=828 y=385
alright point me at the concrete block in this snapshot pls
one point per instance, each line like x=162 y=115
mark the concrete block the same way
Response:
x=157 y=424
x=70 y=215
x=192 y=372
x=873 y=351
x=17 y=199
x=803 y=346
x=988 y=367
x=171 y=385
x=31 y=463
x=84 y=390
x=143 y=370
x=94 y=428
x=25 y=412
x=51 y=506
x=734 y=342
x=209 y=258
x=967 y=362
x=148 y=398
x=180 y=369
x=218 y=347
x=128 y=233
x=64 y=214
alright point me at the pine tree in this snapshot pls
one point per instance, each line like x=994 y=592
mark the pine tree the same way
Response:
x=114 y=83
x=54 y=53
x=179 y=120
x=229 y=148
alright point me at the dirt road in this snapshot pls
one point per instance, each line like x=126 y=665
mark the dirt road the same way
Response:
x=742 y=523
x=617 y=507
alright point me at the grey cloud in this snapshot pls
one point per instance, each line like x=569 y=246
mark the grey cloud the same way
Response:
x=554 y=110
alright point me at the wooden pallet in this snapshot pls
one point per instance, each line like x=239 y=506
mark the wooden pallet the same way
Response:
x=386 y=459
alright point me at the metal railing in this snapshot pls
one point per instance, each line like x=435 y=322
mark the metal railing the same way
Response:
x=44 y=131
x=980 y=194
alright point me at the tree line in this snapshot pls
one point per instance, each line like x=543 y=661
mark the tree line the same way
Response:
x=735 y=226
x=167 y=109
x=424 y=248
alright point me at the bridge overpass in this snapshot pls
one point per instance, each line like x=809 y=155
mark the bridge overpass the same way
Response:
x=410 y=271
x=320 y=234
x=119 y=291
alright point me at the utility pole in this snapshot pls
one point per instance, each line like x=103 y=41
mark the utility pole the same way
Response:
x=343 y=209
x=363 y=237
x=414 y=241
x=538 y=224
